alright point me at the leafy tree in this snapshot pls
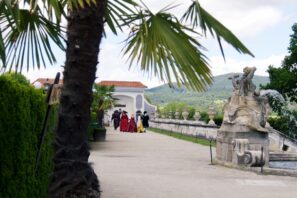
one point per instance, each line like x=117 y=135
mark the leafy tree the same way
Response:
x=102 y=100
x=284 y=78
x=159 y=42
x=18 y=77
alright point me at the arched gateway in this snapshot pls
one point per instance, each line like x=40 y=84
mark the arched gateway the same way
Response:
x=130 y=98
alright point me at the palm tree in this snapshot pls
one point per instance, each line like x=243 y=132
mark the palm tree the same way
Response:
x=102 y=100
x=159 y=43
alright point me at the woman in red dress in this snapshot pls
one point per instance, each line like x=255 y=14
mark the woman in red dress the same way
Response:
x=124 y=122
x=132 y=125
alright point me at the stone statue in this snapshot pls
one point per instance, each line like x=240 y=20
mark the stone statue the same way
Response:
x=246 y=110
x=242 y=139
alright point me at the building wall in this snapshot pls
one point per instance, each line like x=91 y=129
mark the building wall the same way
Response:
x=151 y=109
x=132 y=98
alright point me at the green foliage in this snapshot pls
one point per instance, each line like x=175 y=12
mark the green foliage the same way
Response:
x=204 y=116
x=27 y=35
x=285 y=123
x=284 y=81
x=218 y=119
x=102 y=100
x=22 y=113
x=284 y=78
x=91 y=125
x=172 y=53
x=278 y=123
x=173 y=107
x=191 y=113
x=200 y=17
x=158 y=50
x=102 y=97
x=18 y=77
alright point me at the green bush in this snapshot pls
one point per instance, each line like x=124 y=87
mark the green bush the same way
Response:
x=92 y=125
x=17 y=77
x=218 y=119
x=285 y=123
x=22 y=111
x=191 y=113
x=204 y=116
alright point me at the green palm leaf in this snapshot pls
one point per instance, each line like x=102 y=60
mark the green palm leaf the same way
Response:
x=27 y=37
x=102 y=97
x=117 y=11
x=161 y=45
x=200 y=17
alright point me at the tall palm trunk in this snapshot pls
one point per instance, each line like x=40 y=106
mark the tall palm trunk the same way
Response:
x=73 y=176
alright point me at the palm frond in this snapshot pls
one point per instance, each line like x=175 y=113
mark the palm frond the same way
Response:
x=161 y=45
x=200 y=17
x=116 y=13
x=27 y=37
x=102 y=97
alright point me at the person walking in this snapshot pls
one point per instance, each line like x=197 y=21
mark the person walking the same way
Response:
x=132 y=125
x=145 y=120
x=124 y=122
x=116 y=119
x=140 y=128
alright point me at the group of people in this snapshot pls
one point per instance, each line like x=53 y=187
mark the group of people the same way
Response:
x=133 y=125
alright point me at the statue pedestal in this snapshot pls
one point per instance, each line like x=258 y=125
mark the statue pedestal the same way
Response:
x=242 y=148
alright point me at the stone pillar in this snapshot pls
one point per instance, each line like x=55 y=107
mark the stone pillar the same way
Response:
x=185 y=114
x=230 y=149
x=211 y=114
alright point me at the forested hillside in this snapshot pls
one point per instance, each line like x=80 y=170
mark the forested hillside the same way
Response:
x=217 y=93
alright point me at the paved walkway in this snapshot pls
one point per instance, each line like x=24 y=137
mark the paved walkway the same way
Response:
x=151 y=165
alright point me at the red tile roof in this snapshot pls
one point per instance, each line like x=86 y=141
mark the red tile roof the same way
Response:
x=122 y=84
x=43 y=81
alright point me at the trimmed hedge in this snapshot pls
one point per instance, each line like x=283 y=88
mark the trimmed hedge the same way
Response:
x=22 y=111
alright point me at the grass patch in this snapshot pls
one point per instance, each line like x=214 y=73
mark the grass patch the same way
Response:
x=180 y=136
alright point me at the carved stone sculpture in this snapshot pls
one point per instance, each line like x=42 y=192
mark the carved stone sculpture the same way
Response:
x=246 y=110
x=242 y=139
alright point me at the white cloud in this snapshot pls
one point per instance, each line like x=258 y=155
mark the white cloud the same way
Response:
x=49 y=72
x=244 y=18
x=236 y=66
x=247 y=18
x=253 y=21
x=113 y=66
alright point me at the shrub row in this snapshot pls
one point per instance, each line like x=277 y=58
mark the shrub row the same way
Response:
x=22 y=111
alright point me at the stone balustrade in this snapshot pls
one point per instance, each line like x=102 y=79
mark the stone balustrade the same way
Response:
x=188 y=127
x=201 y=129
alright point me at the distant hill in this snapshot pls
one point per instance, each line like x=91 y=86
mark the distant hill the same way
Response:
x=220 y=90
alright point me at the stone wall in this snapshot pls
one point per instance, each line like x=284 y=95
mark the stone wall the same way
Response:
x=201 y=129
x=277 y=140
x=193 y=128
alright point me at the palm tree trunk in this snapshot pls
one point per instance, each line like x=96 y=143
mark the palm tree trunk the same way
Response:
x=73 y=176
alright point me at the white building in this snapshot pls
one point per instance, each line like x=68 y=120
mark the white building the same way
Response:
x=130 y=95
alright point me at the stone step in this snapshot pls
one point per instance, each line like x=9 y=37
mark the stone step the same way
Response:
x=282 y=156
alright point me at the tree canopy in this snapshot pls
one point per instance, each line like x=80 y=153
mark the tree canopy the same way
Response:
x=284 y=78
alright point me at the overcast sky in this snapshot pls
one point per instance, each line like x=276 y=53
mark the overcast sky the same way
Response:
x=263 y=26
